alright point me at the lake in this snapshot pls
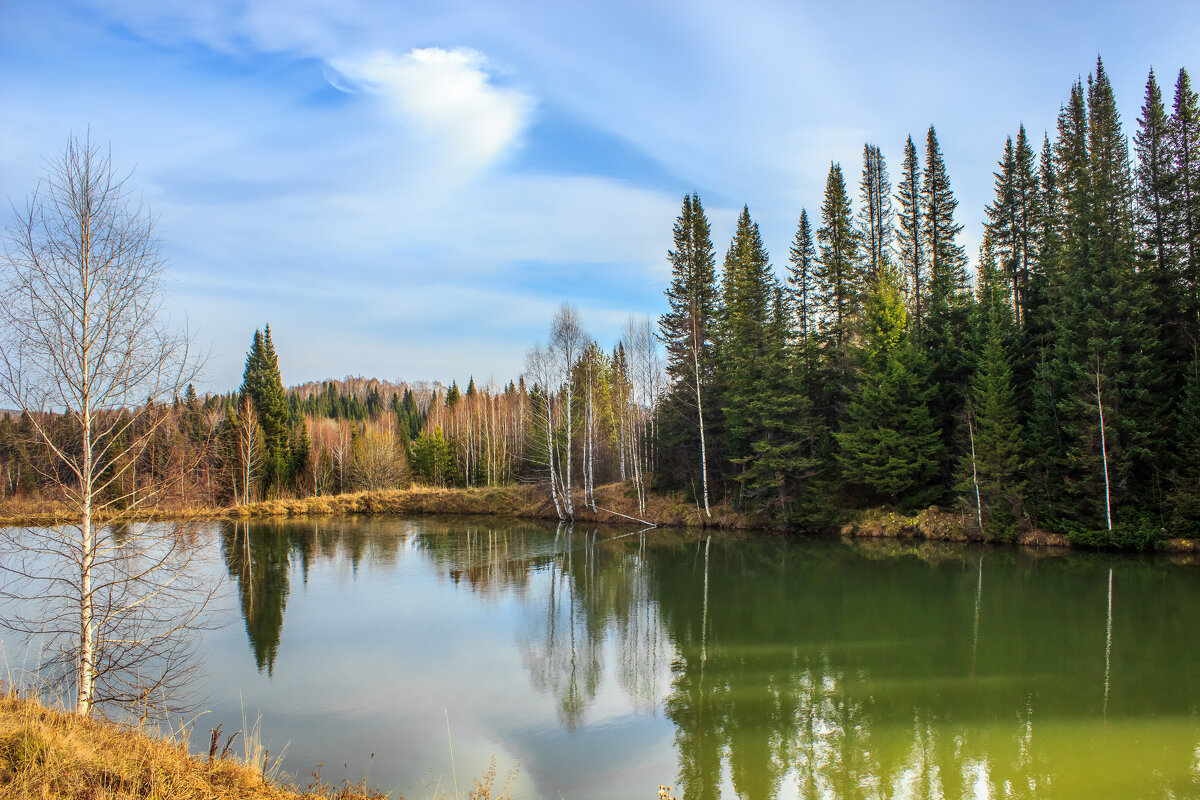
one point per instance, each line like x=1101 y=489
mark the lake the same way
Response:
x=606 y=662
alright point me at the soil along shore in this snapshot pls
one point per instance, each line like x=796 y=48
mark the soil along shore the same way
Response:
x=54 y=755
x=616 y=504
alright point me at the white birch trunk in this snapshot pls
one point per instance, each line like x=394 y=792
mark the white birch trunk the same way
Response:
x=1103 y=451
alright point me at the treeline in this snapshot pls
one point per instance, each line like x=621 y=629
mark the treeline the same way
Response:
x=1060 y=388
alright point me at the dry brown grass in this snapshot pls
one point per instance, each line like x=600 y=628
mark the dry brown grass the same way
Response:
x=616 y=504
x=52 y=755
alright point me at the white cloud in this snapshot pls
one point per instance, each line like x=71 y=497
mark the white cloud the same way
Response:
x=446 y=98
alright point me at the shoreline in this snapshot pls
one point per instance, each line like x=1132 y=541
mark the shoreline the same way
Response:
x=614 y=506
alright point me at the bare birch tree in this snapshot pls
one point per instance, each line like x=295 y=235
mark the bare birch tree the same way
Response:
x=567 y=340
x=541 y=369
x=84 y=348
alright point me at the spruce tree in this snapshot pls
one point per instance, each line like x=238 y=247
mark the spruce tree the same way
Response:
x=876 y=219
x=1185 y=152
x=839 y=293
x=889 y=445
x=1002 y=227
x=994 y=461
x=802 y=294
x=1184 y=501
x=783 y=467
x=946 y=328
x=262 y=383
x=686 y=332
x=1155 y=188
x=1105 y=339
x=908 y=234
x=747 y=292
x=1028 y=214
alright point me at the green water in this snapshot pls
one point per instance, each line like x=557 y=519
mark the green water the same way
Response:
x=604 y=664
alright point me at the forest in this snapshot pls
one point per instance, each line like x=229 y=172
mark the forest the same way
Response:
x=1055 y=385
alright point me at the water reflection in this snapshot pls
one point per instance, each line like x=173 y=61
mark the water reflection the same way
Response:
x=810 y=669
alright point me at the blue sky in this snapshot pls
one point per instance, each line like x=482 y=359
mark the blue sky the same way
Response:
x=407 y=190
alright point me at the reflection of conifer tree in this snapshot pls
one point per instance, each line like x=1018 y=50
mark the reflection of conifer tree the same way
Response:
x=258 y=560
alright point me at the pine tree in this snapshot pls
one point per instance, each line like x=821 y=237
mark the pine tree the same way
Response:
x=908 y=235
x=686 y=332
x=889 y=445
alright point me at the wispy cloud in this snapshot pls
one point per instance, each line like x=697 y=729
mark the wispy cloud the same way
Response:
x=446 y=98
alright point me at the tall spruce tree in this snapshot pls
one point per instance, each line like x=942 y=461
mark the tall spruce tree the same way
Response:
x=839 y=292
x=1155 y=188
x=908 y=234
x=876 y=219
x=1185 y=159
x=686 y=332
x=262 y=383
x=1027 y=198
x=747 y=292
x=946 y=328
x=1105 y=339
x=1002 y=225
x=802 y=293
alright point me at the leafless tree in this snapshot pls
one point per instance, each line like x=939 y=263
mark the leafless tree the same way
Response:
x=84 y=348
x=567 y=340
x=375 y=462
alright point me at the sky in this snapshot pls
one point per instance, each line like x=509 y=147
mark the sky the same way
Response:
x=409 y=190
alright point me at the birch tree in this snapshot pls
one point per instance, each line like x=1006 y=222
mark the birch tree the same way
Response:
x=86 y=350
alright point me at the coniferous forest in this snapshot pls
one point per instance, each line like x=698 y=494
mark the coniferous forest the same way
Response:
x=1056 y=384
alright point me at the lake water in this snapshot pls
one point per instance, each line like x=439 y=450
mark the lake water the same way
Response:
x=605 y=663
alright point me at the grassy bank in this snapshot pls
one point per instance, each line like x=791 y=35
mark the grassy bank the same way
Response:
x=53 y=755
x=616 y=504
